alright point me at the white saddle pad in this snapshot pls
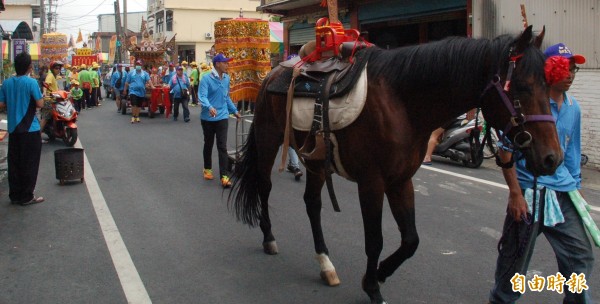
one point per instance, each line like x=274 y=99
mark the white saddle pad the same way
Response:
x=342 y=110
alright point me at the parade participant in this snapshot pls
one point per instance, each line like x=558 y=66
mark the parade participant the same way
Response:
x=21 y=95
x=117 y=83
x=294 y=163
x=216 y=107
x=95 y=85
x=556 y=215
x=155 y=77
x=74 y=74
x=67 y=77
x=186 y=68
x=169 y=74
x=50 y=85
x=85 y=80
x=136 y=86
x=76 y=94
x=180 y=87
x=195 y=81
x=106 y=82
x=42 y=74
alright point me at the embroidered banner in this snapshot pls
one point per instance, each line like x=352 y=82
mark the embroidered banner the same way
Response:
x=248 y=42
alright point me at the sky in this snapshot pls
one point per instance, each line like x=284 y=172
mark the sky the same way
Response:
x=83 y=14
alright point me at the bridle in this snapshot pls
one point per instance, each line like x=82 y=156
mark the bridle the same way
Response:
x=521 y=140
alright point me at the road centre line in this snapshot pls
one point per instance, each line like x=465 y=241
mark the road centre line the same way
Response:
x=482 y=181
x=132 y=284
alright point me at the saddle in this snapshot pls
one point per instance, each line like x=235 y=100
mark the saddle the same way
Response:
x=312 y=73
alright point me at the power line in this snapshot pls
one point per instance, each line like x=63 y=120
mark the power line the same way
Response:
x=85 y=15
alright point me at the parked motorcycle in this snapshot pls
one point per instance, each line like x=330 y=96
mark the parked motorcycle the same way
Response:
x=62 y=124
x=457 y=143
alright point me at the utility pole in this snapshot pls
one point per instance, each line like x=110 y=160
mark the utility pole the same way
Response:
x=42 y=18
x=50 y=16
x=125 y=17
x=120 y=38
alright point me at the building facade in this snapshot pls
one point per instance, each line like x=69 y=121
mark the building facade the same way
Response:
x=193 y=21
x=17 y=21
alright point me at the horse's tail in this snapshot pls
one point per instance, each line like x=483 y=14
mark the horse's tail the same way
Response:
x=246 y=199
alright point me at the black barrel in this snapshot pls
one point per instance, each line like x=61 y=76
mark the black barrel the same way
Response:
x=68 y=164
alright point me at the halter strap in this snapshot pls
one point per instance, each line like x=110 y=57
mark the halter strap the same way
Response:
x=517 y=118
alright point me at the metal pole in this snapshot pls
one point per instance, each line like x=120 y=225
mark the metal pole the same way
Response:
x=125 y=17
x=125 y=31
x=50 y=16
x=43 y=18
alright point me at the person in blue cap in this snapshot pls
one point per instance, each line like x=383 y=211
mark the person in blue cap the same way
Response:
x=556 y=214
x=216 y=108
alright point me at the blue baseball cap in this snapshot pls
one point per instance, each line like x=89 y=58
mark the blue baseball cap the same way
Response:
x=560 y=49
x=221 y=58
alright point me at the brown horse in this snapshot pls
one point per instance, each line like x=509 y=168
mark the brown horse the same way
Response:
x=411 y=91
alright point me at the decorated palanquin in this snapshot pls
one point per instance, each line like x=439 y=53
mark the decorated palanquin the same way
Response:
x=53 y=46
x=151 y=53
x=247 y=41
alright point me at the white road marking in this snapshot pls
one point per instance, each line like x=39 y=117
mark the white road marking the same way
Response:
x=491 y=232
x=483 y=181
x=132 y=284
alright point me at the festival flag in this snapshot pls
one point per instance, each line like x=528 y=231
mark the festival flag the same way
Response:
x=79 y=37
x=71 y=41
x=112 y=50
x=98 y=46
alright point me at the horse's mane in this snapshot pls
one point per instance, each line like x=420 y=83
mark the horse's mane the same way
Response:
x=447 y=65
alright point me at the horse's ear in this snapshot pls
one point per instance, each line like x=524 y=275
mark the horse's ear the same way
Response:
x=524 y=40
x=539 y=38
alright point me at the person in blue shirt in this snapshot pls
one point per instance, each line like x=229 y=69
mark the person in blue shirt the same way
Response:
x=117 y=83
x=556 y=216
x=180 y=88
x=216 y=108
x=21 y=96
x=136 y=85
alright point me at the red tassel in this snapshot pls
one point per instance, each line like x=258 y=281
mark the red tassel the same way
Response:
x=323 y=3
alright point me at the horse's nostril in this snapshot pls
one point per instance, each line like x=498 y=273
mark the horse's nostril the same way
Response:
x=551 y=162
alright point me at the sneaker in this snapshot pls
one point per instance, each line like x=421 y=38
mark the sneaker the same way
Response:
x=297 y=173
x=186 y=120
x=225 y=182
x=290 y=168
x=137 y=119
x=132 y=119
x=208 y=174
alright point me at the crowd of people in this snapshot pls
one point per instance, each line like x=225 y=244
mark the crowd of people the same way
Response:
x=205 y=85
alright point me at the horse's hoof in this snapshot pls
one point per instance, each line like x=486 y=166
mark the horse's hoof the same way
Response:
x=330 y=277
x=270 y=248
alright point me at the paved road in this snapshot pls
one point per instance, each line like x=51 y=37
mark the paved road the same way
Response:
x=146 y=227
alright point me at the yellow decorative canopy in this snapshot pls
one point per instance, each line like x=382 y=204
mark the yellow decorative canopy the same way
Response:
x=247 y=41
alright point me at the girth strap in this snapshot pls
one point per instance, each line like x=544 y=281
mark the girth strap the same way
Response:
x=324 y=96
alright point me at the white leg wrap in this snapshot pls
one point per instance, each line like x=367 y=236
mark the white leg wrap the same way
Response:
x=324 y=262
